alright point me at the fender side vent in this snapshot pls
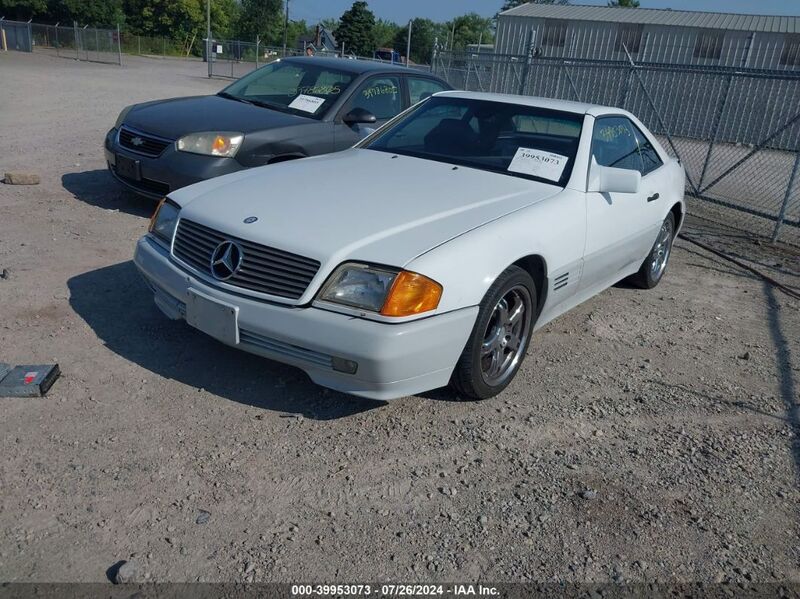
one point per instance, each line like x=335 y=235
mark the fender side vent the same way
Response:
x=560 y=281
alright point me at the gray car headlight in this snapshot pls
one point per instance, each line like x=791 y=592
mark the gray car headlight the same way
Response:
x=164 y=221
x=359 y=286
x=122 y=115
x=212 y=143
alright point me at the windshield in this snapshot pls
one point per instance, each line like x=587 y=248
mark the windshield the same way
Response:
x=301 y=88
x=515 y=140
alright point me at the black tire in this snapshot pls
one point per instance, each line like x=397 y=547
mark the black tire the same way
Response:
x=473 y=376
x=655 y=265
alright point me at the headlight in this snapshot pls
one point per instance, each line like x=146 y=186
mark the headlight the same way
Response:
x=388 y=292
x=122 y=115
x=164 y=220
x=224 y=144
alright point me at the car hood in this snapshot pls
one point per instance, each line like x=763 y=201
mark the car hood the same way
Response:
x=179 y=116
x=358 y=204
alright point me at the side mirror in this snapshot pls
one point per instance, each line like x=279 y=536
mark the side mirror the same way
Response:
x=359 y=116
x=607 y=179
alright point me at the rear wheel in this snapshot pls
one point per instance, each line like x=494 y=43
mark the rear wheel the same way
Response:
x=655 y=265
x=500 y=337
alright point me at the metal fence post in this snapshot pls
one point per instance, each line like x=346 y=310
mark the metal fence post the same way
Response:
x=58 y=50
x=77 y=47
x=119 y=46
x=527 y=67
x=139 y=44
x=624 y=95
x=785 y=205
x=258 y=41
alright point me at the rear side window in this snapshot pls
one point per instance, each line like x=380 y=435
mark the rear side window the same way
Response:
x=650 y=158
x=614 y=144
x=419 y=88
x=380 y=96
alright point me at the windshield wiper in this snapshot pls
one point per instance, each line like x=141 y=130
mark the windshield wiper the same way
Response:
x=266 y=104
x=232 y=97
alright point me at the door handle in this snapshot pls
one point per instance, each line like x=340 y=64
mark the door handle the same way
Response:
x=653 y=197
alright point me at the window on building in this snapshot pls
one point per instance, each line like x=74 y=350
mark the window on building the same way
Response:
x=709 y=44
x=555 y=34
x=630 y=37
x=790 y=57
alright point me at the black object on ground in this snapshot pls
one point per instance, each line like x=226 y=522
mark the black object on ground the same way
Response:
x=27 y=380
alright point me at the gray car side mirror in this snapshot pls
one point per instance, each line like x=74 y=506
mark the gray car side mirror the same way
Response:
x=359 y=116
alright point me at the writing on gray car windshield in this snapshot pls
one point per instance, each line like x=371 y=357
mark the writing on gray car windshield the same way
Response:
x=299 y=88
x=515 y=140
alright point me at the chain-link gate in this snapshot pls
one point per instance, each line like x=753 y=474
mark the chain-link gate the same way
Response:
x=232 y=59
x=736 y=131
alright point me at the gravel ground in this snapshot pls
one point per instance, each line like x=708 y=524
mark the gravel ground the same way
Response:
x=649 y=436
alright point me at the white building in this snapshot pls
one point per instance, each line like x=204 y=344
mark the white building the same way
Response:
x=652 y=35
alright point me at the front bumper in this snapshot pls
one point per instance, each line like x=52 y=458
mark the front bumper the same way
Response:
x=167 y=172
x=394 y=360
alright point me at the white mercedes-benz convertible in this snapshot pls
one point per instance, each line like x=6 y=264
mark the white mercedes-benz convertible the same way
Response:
x=428 y=253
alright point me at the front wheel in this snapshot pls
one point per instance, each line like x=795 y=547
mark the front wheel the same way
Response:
x=654 y=266
x=500 y=337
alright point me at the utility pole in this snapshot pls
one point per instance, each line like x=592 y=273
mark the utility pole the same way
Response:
x=286 y=29
x=408 y=42
x=208 y=38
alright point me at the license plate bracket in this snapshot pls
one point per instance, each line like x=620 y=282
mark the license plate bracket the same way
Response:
x=213 y=317
x=128 y=168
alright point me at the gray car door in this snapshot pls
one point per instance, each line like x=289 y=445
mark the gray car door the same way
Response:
x=382 y=95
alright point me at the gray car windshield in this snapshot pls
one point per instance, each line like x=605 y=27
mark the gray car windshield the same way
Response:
x=512 y=139
x=303 y=88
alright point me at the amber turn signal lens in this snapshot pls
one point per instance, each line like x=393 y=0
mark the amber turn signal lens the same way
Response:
x=221 y=144
x=155 y=215
x=411 y=293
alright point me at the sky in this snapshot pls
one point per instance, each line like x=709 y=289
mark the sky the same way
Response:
x=401 y=11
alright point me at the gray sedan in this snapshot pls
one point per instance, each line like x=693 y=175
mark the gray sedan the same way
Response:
x=289 y=109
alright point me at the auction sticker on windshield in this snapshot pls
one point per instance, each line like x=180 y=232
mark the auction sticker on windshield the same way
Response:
x=537 y=163
x=307 y=103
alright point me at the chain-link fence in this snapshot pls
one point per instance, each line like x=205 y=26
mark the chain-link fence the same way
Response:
x=81 y=43
x=95 y=44
x=736 y=131
x=229 y=58
x=234 y=58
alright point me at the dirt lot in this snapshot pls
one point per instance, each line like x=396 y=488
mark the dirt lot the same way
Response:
x=650 y=436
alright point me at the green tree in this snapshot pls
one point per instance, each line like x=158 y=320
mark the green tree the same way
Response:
x=624 y=3
x=469 y=29
x=88 y=12
x=22 y=9
x=177 y=19
x=330 y=24
x=296 y=30
x=385 y=33
x=263 y=18
x=356 y=30
x=423 y=36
